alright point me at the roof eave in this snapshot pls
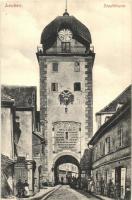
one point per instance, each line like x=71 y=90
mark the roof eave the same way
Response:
x=108 y=123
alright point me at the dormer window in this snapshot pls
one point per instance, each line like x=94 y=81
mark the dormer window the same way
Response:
x=119 y=105
x=65 y=36
x=107 y=118
x=66 y=47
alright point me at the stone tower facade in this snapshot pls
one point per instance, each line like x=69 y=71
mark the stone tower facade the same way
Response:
x=66 y=98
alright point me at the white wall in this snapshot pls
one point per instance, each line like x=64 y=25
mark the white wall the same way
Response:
x=6 y=132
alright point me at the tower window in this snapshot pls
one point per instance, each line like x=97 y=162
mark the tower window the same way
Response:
x=77 y=67
x=66 y=135
x=66 y=47
x=54 y=87
x=77 y=86
x=55 y=67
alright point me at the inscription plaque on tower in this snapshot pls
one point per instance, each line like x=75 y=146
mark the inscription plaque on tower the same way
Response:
x=66 y=136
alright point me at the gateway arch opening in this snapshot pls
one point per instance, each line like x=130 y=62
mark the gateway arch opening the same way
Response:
x=67 y=170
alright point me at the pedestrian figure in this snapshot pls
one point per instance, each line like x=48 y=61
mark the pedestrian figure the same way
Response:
x=128 y=193
x=26 y=188
x=110 y=188
x=93 y=186
x=19 y=188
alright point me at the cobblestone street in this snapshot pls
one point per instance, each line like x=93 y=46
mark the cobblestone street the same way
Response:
x=66 y=193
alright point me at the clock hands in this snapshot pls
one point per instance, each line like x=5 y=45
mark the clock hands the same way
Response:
x=65 y=35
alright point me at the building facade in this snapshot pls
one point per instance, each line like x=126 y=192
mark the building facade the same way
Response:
x=38 y=154
x=66 y=98
x=111 y=156
x=24 y=128
x=7 y=145
x=104 y=114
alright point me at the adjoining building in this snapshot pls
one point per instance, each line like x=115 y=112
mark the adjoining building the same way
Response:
x=111 y=156
x=66 y=59
x=7 y=145
x=104 y=114
x=24 y=132
x=38 y=154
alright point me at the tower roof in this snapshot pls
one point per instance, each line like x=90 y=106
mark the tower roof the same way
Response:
x=79 y=30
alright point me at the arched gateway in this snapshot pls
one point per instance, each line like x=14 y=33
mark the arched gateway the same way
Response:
x=66 y=158
x=66 y=61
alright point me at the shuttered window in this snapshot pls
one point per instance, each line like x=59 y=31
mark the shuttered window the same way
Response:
x=54 y=87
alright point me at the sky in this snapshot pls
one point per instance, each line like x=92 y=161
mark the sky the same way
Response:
x=110 y=26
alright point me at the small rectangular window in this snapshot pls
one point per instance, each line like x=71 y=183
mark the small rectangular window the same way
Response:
x=77 y=67
x=55 y=67
x=77 y=86
x=66 y=135
x=54 y=87
x=120 y=131
x=66 y=47
x=107 y=145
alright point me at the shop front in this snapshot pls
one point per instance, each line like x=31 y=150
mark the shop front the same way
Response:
x=113 y=180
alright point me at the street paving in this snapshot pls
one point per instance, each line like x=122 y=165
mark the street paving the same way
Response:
x=66 y=193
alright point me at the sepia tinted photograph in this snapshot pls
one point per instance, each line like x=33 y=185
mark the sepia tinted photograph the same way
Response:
x=66 y=99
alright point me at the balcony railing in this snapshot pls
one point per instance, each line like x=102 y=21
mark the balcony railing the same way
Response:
x=58 y=50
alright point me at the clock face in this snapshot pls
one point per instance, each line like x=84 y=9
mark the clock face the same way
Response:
x=65 y=35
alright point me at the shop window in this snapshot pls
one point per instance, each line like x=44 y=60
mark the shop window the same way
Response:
x=120 y=134
x=77 y=86
x=66 y=47
x=107 y=145
x=54 y=87
x=55 y=67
